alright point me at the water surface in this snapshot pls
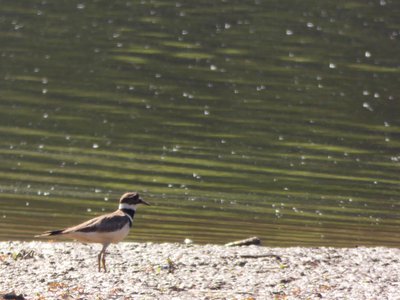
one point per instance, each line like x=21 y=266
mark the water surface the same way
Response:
x=234 y=118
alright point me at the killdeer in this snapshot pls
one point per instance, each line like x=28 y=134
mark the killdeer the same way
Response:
x=105 y=229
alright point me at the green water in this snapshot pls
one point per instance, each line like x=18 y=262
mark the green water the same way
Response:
x=278 y=119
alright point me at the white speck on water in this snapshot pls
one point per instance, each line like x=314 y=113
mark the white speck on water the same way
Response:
x=386 y=124
x=44 y=91
x=310 y=25
x=367 y=54
x=206 y=112
x=376 y=95
x=27 y=203
x=289 y=32
x=195 y=175
x=45 y=80
x=95 y=146
x=80 y=6
x=89 y=210
x=260 y=88
x=332 y=66
x=105 y=198
x=365 y=93
x=213 y=68
x=187 y=95
x=45 y=115
x=367 y=106
x=97 y=190
x=227 y=25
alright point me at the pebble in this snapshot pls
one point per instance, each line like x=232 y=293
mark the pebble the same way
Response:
x=59 y=270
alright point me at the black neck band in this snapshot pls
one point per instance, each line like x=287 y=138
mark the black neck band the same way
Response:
x=129 y=212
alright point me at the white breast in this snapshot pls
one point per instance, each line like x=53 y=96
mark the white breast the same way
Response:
x=101 y=237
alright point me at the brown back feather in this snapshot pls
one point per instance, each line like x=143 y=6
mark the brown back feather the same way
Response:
x=110 y=222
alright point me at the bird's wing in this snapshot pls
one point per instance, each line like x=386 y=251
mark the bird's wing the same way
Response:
x=110 y=222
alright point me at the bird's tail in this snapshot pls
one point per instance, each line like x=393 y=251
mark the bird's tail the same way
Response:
x=50 y=233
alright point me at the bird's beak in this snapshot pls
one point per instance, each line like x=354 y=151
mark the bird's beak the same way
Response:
x=144 y=202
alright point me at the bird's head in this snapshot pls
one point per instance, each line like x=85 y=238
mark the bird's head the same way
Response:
x=131 y=200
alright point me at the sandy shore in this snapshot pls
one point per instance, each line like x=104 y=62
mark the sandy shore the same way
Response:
x=41 y=270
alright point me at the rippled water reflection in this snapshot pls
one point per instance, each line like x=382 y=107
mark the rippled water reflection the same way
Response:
x=233 y=118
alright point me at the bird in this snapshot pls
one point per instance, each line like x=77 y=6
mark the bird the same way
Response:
x=105 y=229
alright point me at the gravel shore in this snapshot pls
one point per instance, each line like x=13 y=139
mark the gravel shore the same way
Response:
x=47 y=270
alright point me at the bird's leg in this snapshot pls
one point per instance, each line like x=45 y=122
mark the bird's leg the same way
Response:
x=101 y=258
x=104 y=261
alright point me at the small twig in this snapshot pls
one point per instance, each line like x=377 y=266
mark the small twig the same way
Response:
x=261 y=256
